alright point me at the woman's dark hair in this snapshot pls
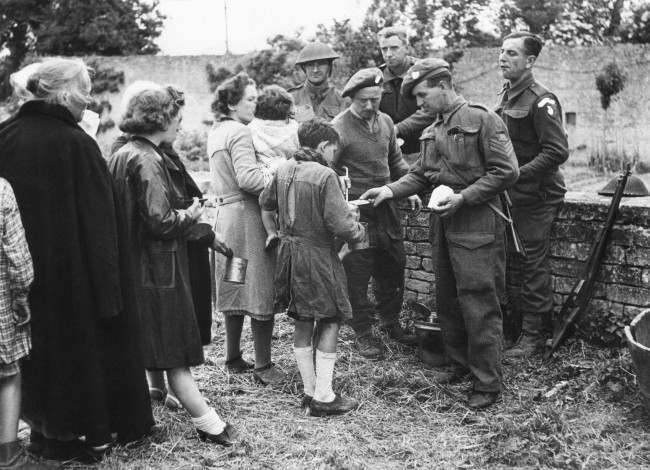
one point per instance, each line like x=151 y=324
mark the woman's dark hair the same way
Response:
x=274 y=104
x=230 y=93
x=150 y=108
x=317 y=130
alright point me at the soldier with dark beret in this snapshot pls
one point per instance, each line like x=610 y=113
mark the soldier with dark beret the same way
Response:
x=534 y=118
x=369 y=150
x=316 y=96
x=467 y=149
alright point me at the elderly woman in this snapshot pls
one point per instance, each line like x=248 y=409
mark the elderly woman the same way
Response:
x=238 y=180
x=152 y=190
x=85 y=376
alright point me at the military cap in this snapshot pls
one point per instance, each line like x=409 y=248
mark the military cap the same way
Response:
x=420 y=70
x=363 y=78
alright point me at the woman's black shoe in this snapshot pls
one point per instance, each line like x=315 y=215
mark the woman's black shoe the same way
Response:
x=224 y=438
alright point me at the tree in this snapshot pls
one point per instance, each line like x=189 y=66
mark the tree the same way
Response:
x=571 y=22
x=638 y=30
x=75 y=27
x=102 y=27
x=459 y=21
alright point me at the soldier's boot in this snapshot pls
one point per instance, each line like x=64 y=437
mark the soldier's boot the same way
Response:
x=369 y=346
x=13 y=456
x=399 y=334
x=532 y=339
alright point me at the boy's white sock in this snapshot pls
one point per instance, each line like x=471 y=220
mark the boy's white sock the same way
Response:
x=209 y=422
x=305 y=360
x=324 y=374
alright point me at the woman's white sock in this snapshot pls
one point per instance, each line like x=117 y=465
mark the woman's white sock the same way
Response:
x=305 y=360
x=209 y=422
x=324 y=374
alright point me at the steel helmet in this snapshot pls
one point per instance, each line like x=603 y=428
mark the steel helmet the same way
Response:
x=316 y=51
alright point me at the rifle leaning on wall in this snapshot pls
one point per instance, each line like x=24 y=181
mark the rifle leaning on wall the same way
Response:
x=580 y=295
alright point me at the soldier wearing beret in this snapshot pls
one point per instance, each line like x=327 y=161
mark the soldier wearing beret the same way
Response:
x=468 y=150
x=369 y=150
x=317 y=97
x=534 y=119
x=409 y=120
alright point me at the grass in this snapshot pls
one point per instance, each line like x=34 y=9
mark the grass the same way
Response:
x=581 y=411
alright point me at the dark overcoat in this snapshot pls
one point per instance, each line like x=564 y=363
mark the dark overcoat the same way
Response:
x=152 y=192
x=85 y=375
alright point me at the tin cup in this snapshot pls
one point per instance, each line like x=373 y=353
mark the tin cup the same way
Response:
x=364 y=242
x=235 y=270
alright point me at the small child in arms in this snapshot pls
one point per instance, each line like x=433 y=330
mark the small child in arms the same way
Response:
x=310 y=280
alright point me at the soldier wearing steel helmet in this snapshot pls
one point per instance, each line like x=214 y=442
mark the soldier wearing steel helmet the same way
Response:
x=468 y=150
x=316 y=96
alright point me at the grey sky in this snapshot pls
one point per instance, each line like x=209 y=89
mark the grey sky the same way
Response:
x=197 y=26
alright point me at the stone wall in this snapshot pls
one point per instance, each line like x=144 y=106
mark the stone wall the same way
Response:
x=568 y=71
x=623 y=286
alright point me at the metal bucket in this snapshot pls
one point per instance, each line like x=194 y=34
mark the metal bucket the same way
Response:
x=235 y=270
x=429 y=336
x=362 y=244
x=638 y=342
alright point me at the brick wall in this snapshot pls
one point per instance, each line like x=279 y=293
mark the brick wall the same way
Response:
x=623 y=287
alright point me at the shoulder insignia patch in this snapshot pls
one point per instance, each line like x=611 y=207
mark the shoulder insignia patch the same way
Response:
x=545 y=101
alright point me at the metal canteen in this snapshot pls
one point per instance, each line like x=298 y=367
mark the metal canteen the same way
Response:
x=235 y=270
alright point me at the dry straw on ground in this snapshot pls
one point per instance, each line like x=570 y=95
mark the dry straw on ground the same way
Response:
x=581 y=411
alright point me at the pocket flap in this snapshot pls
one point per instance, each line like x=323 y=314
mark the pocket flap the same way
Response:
x=465 y=130
x=516 y=113
x=470 y=240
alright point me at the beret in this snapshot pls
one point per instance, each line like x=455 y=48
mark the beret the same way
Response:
x=423 y=68
x=363 y=78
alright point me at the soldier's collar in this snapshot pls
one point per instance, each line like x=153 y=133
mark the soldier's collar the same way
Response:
x=389 y=75
x=520 y=85
x=453 y=107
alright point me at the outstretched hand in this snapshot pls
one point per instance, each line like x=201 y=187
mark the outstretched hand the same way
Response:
x=415 y=203
x=377 y=195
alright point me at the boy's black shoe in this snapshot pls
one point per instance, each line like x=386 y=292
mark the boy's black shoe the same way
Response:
x=306 y=401
x=338 y=406
x=369 y=346
x=238 y=365
x=479 y=400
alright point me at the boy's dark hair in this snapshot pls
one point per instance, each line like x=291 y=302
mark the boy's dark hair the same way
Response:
x=532 y=42
x=317 y=130
x=274 y=103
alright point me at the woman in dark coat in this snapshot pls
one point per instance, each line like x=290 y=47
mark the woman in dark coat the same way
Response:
x=152 y=190
x=85 y=376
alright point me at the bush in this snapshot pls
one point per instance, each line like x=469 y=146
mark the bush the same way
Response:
x=611 y=160
x=191 y=145
x=609 y=82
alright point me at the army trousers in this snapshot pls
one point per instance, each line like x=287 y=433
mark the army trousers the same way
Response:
x=528 y=280
x=470 y=277
x=387 y=272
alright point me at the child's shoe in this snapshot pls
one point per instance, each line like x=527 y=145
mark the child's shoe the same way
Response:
x=338 y=406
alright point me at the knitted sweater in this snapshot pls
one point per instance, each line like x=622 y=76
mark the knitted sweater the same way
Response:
x=370 y=153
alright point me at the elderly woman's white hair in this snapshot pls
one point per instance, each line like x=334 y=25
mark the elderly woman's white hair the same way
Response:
x=61 y=81
x=18 y=81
